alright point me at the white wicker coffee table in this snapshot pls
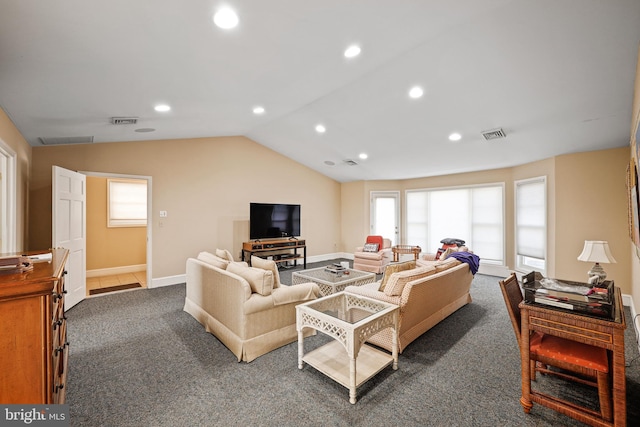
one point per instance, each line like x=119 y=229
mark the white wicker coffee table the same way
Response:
x=331 y=283
x=349 y=319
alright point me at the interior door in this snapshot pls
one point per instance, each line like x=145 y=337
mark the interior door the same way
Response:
x=69 y=229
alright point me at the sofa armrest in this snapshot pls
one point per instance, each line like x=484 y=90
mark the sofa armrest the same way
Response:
x=371 y=290
x=286 y=294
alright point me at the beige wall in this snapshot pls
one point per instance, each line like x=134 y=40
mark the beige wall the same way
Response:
x=10 y=135
x=591 y=204
x=205 y=185
x=109 y=247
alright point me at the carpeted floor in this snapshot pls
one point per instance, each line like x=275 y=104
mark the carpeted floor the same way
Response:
x=137 y=359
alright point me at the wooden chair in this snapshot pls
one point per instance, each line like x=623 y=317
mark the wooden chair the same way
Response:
x=590 y=362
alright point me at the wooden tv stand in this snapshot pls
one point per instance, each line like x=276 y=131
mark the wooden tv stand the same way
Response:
x=280 y=249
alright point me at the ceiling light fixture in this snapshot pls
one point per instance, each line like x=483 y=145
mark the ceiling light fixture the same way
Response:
x=363 y=156
x=162 y=108
x=321 y=129
x=352 y=51
x=258 y=110
x=225 y=19
x=416 y=92
x=142 y=130
x=455 y=137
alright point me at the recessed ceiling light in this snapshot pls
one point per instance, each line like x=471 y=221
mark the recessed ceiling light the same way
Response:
x=225 y=19
x=258 y=110
x=321 y=129
x=353 y=50
x=455 y=137
x=162 y=108
x=416 y=92
x=363 y=155
x=145 y=130
x=329 y=163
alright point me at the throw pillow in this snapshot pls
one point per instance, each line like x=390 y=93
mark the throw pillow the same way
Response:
x=210 y=258
x=224 y=254
x=370 y=247
x=394 y=268
x=266 y=264
x=446 y=253
x=398 y=280
x=261 y=281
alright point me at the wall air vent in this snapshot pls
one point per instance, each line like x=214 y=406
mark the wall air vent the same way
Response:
x=66 y=140
x=350 y=162
x=124 y=120
x=494 y=134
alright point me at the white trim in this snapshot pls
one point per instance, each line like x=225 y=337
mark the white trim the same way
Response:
x=99 y=272
x=9 y=190
x=168 y=281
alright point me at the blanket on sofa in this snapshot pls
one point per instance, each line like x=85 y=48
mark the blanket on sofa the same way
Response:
x=472 y=259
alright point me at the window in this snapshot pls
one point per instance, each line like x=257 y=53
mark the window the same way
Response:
x=126 y=203
x=474 y=214
x=531 y=224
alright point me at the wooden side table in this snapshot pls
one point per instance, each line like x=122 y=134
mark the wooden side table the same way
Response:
x=405 y=249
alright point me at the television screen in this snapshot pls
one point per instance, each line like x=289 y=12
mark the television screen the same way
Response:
x=271 y=220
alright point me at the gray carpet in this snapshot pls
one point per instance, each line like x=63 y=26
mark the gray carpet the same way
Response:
x=137 y=359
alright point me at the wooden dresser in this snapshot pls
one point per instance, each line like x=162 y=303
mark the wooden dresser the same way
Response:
x=33 y=333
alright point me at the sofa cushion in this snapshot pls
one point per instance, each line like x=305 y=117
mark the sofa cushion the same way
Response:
x=446 y=264
x=394 y=268
x=210 y=258
x=261 y=281
x=267 y=264
x=398 y=280
x=224 y=254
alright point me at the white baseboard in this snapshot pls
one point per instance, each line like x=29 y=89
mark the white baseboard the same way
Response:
x=116 y=270
x=168 y=281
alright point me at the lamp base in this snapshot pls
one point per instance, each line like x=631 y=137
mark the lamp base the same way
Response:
x=598 y=272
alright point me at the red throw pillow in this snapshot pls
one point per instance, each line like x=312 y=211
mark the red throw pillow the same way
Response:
x=376 y=239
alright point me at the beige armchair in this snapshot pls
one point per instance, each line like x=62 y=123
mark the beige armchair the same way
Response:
x=373 y=258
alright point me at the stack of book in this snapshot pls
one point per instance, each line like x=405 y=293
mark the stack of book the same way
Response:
x=335 y=268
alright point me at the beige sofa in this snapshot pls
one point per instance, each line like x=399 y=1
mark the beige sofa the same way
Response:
x=246 y=308
x=426 y=294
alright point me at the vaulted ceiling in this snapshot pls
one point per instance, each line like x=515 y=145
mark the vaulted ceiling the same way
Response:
x=556 y=76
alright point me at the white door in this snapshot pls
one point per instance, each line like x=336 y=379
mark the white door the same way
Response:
x=385 y=215
x=69 y=229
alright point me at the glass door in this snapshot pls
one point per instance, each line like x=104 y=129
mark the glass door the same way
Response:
x=385 y=215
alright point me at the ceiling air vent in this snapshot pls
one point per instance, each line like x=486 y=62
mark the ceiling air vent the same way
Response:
x=494 y=134
x=351 y=162
x=66 y=140
x=124 y=120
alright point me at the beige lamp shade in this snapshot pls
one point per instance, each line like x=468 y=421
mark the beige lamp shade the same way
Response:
x=596 y=251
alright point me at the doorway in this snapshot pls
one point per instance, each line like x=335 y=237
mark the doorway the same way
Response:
x=118 y=254
x=8 y=183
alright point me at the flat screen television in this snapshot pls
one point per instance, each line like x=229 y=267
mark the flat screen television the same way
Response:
x=273 y=220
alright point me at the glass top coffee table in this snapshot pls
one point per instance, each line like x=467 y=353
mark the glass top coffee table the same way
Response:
x=349 y=319
x=331 y=283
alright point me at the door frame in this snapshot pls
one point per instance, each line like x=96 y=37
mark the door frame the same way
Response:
x=8 y=190
x=149 y=211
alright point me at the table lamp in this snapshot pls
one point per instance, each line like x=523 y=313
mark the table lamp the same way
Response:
x=596 y=251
